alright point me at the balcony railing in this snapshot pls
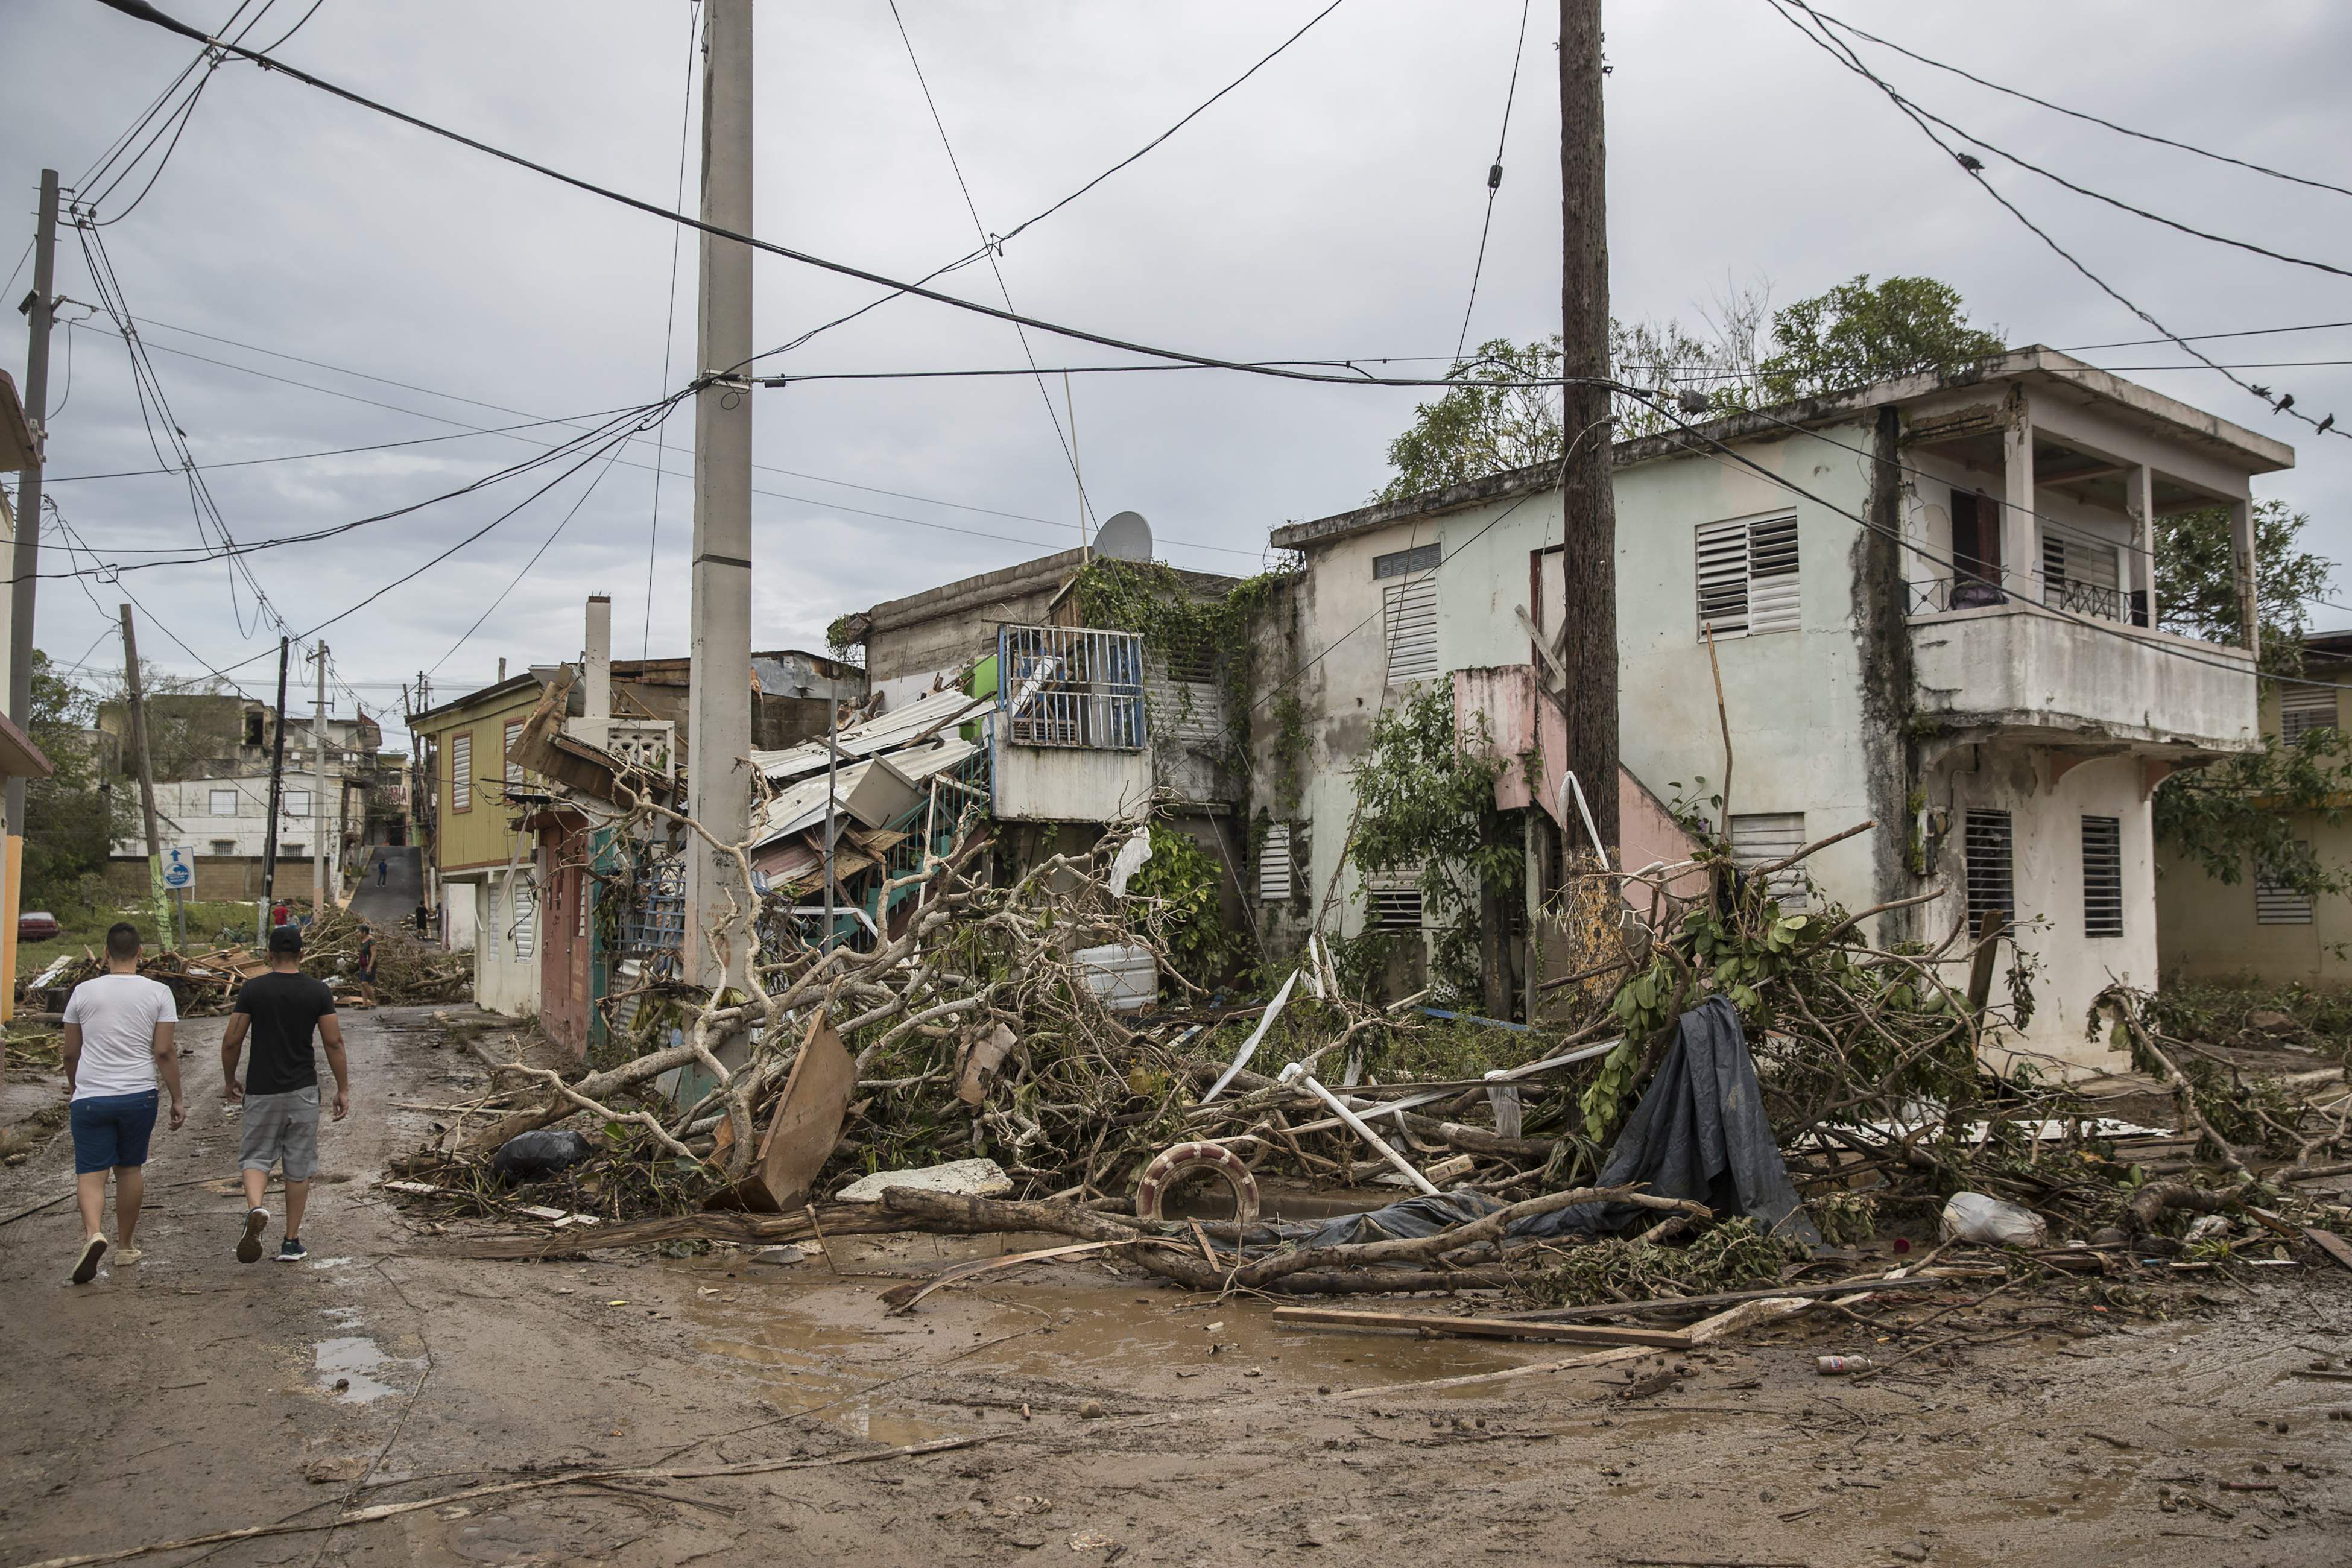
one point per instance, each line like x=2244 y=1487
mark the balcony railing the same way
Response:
x=1071 y=687
x=1937 y=594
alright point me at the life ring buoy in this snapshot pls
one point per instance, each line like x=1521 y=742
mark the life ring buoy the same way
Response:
x=1173 y=1164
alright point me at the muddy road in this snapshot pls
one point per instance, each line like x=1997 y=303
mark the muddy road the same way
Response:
x=1101 y=1417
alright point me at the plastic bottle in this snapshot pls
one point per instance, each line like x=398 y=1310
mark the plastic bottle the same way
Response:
x=1840 y=1366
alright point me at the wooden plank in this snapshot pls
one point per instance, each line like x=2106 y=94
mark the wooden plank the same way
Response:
x=1488 y=1327
x=805 y=1127
x=1728 y=1298
x=2329 y=1242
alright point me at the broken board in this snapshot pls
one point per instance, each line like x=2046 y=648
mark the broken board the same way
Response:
x=803 y=1132
x=1488 y=1327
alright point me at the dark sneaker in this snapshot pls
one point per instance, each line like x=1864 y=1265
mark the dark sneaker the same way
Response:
x=86 y=1265
x=291 y=1251
x=248 y=1245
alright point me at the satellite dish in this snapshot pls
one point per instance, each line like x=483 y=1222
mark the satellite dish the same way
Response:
x=1126 y=537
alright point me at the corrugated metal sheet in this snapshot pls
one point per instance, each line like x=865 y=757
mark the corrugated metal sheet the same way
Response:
x=938 y=710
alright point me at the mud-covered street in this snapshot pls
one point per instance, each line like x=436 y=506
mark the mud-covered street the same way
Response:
x=1094 y=1415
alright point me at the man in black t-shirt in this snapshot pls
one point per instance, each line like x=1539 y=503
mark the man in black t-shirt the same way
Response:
x=281 y=1009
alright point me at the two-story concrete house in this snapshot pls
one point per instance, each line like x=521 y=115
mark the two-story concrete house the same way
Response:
x=1933 y=607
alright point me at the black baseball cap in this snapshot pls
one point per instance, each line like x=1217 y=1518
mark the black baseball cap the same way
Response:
x=287 y=938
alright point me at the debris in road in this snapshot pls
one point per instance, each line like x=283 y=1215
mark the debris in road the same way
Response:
x=1973 y=1216
x=803 y=1130
x=529 y=1155
x=971 y=1178
x=1484 y=1327
x=1841 y=1366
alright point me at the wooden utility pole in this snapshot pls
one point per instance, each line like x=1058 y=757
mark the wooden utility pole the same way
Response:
x=40 y=311
x=277 y=779
x=136 y=697
x=1586 y=640
x=719 y=789
x=319 y=793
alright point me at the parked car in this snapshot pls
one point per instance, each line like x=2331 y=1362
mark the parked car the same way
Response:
x=36 y=925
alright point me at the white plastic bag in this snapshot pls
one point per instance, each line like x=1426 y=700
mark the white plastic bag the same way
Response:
x=1972 y=1216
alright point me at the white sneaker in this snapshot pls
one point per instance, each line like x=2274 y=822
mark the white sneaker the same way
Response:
x=84 y=1268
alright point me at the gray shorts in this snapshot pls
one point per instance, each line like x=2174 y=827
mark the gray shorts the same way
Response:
x=282 y=1127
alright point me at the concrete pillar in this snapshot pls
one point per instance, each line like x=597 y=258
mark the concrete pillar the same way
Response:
x=2139 y=500
x=2020 y=530
x=597 y=673
x=2242 y=548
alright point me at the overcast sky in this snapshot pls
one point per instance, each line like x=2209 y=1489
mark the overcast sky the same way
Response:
x=1327 y=208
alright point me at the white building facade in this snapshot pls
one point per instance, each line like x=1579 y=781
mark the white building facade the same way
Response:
x=1932 y=606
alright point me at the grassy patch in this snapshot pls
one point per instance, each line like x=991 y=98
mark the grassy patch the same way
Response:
x=85 y=926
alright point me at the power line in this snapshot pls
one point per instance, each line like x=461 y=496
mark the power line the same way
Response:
x=1494 y=179
x=989 y=247
x=553 y=534
x=147 y=12
x=1844 y=55
x=2076 y=113
x=669 y=316
x=1000 y=241
x=464 y=434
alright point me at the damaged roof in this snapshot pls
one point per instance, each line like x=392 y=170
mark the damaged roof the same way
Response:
x=2231 y=445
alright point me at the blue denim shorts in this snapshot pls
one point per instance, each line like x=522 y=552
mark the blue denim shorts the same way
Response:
x=111 y=1130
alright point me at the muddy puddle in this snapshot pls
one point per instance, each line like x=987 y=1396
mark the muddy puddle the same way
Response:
x=822 y=1342
x=347 y=1366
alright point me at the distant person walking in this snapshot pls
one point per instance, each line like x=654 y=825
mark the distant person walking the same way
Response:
x=281 y=1009
x=279 y=913
x=117 y=1041
x=367 y=961
x=383 y=868
x=424 y=920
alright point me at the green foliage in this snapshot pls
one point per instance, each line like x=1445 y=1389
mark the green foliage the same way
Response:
x=1855 y=334
x=1424 y=805
x=71 y=817
x=1724 y=1258
x=1182 y=890
x=2216 y=1012
x=1183 y=628
x=2196 y=581
x=2243 y=812
x=1289 y=750
x=845 y=640
x=1481 y=426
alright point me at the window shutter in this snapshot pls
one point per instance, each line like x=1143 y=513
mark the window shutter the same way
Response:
x=514 y=769
x=1774 y=602
x=526 y=913
x=1723 y=579
x=1409 y=618
x=1276 y=878
x=461 y=770
x=1394 y=898
x=2303 y=709
x=2276 y=904
x=1759 y=839
x=1748 y=579
x=1987 y=840
x=2102 y=876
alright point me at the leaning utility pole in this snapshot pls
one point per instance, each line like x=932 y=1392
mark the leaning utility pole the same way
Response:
x=319 y=794
x=1586 y=639
x=277 y=779
x=718 y=791
x=137 y=701
x=40 y=311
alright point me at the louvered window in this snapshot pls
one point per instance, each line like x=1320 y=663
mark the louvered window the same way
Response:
x=2102 y=876
x=1992 y=878
x=1399 y=562
x=1748 y=578
x=1276 y=878
x=1760 y=838
x=513 y=735
x=1394 y=898
x=2303 y=709
x=526 y=913
x=2276 y=904
x=1409 y=628
x=461 y=771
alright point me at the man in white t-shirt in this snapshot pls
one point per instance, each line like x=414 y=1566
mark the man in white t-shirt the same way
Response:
x=119 y=1028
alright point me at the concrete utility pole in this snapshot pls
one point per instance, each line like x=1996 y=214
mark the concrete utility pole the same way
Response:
x=41 y=312
x=1587 y=637
x=137 y=701
x=277 y=779
x=718 y=791
x=319 y=794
